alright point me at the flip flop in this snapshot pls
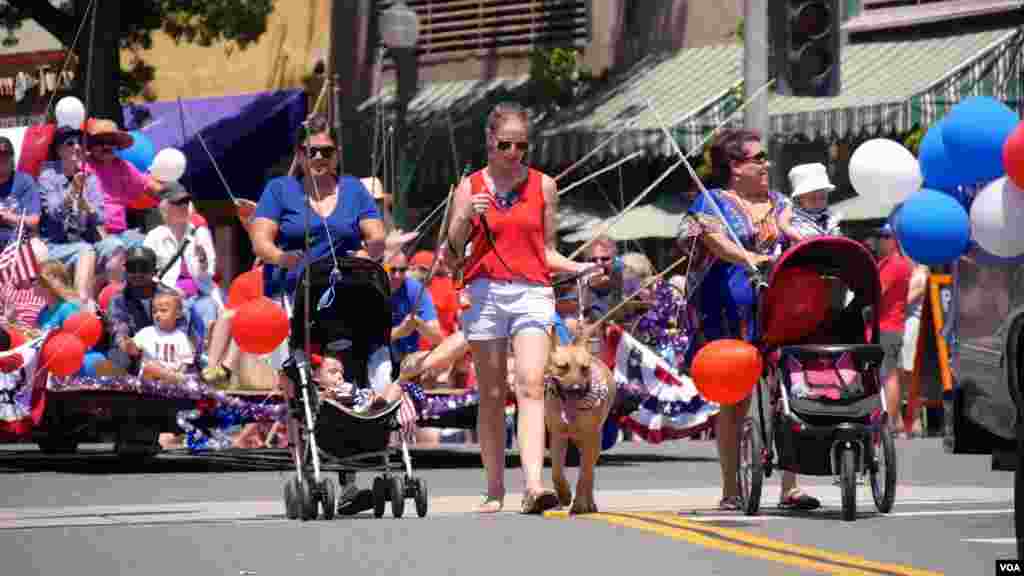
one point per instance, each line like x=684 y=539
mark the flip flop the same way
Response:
x=491 y=505
x=539 y=502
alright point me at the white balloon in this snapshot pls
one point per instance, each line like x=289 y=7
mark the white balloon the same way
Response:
x=168 y=165
x=996 y=216
x=885 y=171
x=70 y=112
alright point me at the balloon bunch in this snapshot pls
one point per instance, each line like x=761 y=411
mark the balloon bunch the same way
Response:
x=167 y=165
x=63 y=353
x=962 y=193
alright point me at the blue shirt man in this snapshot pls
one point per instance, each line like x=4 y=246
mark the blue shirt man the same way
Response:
x=404 y=293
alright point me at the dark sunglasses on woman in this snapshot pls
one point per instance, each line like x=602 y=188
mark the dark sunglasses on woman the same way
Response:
x=505 y=146
x=319 y=151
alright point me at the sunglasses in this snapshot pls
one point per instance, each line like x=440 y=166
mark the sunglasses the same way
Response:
x=6 y=152
x=72 y=141
x=395 y=269
x=759 y=158
x=101 y=143
x=599 y=259
x=319 y=151
x=505 y=145
x=180 y=201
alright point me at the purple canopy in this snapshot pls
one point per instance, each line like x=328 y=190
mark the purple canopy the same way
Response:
x=246 y=134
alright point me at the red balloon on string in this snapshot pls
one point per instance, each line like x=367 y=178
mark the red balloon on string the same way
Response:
x=63 y=354
x=725 y=371
x=86 y=326
x=259 y=326
x=245 y=287
x=1013 y=156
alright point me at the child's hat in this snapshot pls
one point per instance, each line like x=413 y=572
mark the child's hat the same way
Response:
x=805 y=178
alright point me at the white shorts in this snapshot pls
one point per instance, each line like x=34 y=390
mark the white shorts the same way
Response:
x=502 y=309
x=911 y=328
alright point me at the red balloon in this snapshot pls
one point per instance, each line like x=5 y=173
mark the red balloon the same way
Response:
x=63 y=353
x=725 y=371
x=795 y=305
x=35 y=148
x=1013 y=156
x=143 y=202
x=244 y=288
x=108 y=292
x=260 y=326
x=86 y=326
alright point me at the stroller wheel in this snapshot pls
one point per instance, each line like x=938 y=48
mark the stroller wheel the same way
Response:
x=291 y=498
x=883 y=473
x=848 y=482
x=328 y=498
x=380 y=496
x=397 y=496
x=420 y=495
x=750 y=474
x=307 y=501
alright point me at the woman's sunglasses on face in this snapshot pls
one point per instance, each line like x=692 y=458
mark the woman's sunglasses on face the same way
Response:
x=396 y=270
x=506 y=145
x=759 y=158
x=319 y=151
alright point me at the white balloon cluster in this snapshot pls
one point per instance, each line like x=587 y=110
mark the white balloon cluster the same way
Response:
x=885 y=170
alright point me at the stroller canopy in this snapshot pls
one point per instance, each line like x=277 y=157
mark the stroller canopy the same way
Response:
x=791 y=299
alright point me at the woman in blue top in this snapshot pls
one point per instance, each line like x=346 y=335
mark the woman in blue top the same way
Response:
x=339 y=203
x=720 y=282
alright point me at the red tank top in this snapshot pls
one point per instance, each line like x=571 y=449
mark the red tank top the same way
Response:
x=518 y=236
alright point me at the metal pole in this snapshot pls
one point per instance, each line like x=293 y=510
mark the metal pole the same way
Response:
x=755 y=67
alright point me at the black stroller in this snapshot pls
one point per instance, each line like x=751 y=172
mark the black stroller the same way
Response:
x=843 y=430
x=349 y=313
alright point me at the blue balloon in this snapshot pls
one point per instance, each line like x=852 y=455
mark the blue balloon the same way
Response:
x=140 y=153
x=933 y=228
x=973 y=135
x=939 y=171
x=89 y=363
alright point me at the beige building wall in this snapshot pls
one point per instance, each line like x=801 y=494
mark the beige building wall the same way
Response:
x=296 y=37
x=298 y=32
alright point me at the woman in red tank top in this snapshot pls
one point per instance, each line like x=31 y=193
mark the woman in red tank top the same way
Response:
x=508 y=212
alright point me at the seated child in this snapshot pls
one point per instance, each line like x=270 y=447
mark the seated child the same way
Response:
x=166 y=350
x=809 y=216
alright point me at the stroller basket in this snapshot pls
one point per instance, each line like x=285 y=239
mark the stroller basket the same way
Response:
x=343 y=433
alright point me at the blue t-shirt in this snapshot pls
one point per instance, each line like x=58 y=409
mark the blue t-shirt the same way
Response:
x=54 y=316
x=562 y=330
x=284 y=202
x=20 y=193
x=402 y=302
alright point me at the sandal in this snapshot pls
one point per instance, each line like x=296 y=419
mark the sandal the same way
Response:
x=539 y=502
x=491 y=504
x=797 y=499
x=731 y=504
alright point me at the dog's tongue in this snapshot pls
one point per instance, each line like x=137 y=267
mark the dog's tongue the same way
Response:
x=569 y=410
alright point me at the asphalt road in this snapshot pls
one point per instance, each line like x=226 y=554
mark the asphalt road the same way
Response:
x=221 y=514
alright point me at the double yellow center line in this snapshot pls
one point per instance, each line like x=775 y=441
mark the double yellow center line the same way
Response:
x=745 y=544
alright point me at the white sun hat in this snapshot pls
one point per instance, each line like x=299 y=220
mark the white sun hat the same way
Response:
x=806 y=178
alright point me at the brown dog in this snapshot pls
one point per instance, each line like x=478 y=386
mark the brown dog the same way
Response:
x=579 y=392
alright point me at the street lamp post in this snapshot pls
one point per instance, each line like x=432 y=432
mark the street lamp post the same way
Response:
x=399 y=30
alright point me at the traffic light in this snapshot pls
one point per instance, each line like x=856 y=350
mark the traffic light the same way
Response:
x=805 y=41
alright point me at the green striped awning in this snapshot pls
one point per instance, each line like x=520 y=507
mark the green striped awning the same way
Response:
x=451 y=97
x=887 y=87
x=891 y=87
x=680 y=88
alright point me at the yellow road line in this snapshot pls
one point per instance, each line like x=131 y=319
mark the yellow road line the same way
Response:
x=745 y=544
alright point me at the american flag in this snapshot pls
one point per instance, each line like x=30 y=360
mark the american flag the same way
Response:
x=408 y=414
x=17 y=263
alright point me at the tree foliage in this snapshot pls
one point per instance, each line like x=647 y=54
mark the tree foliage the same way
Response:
x=236 y=23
